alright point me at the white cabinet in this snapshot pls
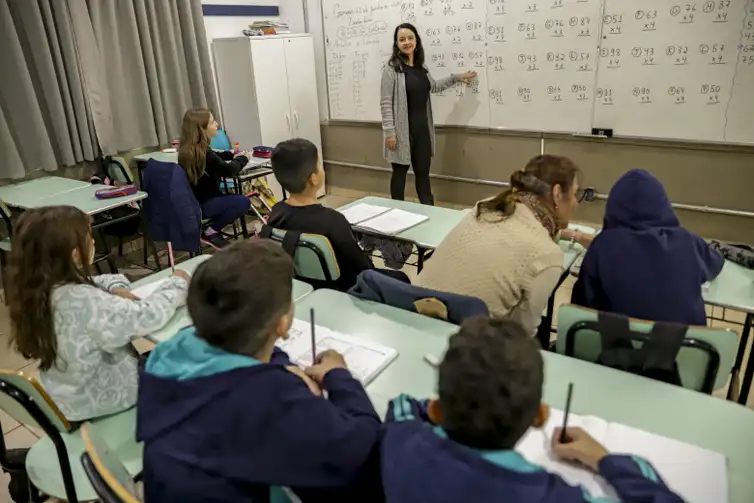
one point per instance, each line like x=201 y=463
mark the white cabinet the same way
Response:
x=268 y=90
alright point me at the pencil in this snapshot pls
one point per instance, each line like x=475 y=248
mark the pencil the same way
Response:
x=314 y=340
x=565 y=415
x=170 y=256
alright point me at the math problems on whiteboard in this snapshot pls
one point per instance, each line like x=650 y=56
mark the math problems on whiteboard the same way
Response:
x=664 y=68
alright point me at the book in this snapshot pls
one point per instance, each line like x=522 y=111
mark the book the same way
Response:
x=365 y=359
x=362 y=211
x=392 y=222
x=145 y=291
x=696 y=474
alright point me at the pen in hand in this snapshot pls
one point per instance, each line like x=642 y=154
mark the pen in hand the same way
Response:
x=563 y=438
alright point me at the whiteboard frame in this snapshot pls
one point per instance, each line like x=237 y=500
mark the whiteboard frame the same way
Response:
x=648 y=139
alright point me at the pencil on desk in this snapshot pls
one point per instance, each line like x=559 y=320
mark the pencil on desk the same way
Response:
x=563 y=437
x=314 y=340
x=170 y=256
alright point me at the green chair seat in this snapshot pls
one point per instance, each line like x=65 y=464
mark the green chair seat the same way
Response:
x=314 y=257
x=692 y=363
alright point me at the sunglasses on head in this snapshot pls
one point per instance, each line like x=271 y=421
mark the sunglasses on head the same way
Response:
x=586 y=195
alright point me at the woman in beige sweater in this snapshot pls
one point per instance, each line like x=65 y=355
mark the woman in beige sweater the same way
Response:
x=506 y=251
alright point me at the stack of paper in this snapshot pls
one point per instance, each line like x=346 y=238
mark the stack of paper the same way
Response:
x=362 y=211
x=696 y=474
x=392 y=222
x=365 y=359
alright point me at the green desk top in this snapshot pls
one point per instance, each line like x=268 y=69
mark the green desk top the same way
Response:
x=656 y=407
x=428 y=234
x=25 y=194
x=181 y=318
x=83 y=198
x=733 y=288
x=173 y=157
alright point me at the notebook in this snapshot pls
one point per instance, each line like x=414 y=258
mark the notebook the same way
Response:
x=695 y=473
x=393 y=222
x=362 y=211
x=145 y=291
x=365 y=359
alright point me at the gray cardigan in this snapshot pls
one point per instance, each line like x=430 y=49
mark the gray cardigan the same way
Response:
x=394 y=108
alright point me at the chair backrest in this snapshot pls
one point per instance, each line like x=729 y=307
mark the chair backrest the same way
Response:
x=110 y=479
x=220 y=141
x=118 y=170
x=21 y=396
x=693 y=359
x=313 y=255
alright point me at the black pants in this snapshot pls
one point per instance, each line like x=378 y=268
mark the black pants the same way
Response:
x=421 y=158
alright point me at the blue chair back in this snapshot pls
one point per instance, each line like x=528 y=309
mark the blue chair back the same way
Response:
x=221 y=141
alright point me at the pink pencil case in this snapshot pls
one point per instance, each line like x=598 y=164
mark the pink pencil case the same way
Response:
x=112 y=192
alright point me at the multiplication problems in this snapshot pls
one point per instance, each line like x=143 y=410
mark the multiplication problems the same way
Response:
x=604 y=95
x=528 y=61
x=643 y=95
x=497 y=7
x=711 y=93
x=612 y=54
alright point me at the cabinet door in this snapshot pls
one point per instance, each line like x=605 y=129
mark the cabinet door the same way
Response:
x=302 y=88
x=271 y=80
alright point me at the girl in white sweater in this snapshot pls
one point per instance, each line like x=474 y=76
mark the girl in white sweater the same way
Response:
x=506 y=251
x=79 y=327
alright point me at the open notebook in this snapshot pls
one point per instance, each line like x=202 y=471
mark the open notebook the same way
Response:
x=359 y=212
x=697 y=474
x=365 y=359
x=392 y=222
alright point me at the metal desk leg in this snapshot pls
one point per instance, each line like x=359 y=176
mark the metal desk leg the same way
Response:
x=749 y=372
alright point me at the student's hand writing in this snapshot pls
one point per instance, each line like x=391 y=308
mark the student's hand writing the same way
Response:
x=326 y=361
x=391 y=142
x=243 y=153
x=125 y=293
x=182 y=274
x=579 y=447
x=313 y=386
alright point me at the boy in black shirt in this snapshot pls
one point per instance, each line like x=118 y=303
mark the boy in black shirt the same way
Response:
x=299 y=171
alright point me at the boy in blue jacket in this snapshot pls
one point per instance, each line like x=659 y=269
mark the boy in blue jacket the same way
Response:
x=460 y=448
x=224 y=414
x=644 y=264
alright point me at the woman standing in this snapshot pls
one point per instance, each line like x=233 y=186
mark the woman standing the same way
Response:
x=407 y=112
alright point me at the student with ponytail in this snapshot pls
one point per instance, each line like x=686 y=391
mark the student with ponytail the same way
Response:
x=506 y=251
x=206 y=169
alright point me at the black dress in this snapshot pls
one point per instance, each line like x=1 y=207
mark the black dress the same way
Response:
x=417 y=93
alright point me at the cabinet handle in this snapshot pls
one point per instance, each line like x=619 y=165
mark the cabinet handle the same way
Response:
x=288 y=120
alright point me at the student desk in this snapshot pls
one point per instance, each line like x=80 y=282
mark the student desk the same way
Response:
x=734 y=289
x=425 y=236
x=181 y=318
x=25 y=194
x=635 y=401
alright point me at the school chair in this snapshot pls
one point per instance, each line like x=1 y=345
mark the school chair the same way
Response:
x=106 y=472
x=52 y=463
x=313 y=256
x=705 y=358
x=385 y=288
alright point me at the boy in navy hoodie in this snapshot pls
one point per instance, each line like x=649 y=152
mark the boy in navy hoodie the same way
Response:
x=226 y=417
x=460 y=448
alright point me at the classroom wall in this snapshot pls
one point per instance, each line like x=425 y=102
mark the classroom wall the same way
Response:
x=714 y=176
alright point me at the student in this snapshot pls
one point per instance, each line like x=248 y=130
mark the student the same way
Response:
x=223 y=413
x=206 y=169
x=505 y=252
x=644 y=264
x=298 y=169
x=460 y=447
x=79 y=327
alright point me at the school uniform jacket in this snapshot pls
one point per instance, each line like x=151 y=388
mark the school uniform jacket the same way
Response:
x=421 y=465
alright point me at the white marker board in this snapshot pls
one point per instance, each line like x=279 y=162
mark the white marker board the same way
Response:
x=646 y=68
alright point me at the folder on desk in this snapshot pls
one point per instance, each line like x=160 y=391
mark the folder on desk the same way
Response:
x=696 y=474
x=392 y=222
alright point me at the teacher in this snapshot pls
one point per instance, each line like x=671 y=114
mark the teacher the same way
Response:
x=407 y=112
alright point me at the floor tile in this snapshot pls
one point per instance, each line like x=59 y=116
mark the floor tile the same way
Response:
x=9 y=358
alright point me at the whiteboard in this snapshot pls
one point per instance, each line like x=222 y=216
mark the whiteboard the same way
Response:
x=646 y=68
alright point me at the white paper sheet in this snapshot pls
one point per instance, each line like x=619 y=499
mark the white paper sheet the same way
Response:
x=362 y=211
x=393 y=222
x=145 y=291
x=365 y=359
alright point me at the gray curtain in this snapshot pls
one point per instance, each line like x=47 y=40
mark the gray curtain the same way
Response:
x=145 y=63
x=45 y=121
x=127 y=69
